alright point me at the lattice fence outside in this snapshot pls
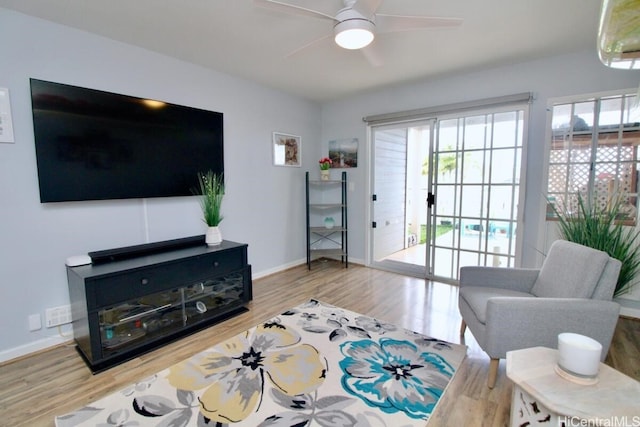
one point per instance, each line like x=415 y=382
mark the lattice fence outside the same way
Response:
x=569 y=170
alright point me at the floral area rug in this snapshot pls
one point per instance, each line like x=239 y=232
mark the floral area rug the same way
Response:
x=313 y=365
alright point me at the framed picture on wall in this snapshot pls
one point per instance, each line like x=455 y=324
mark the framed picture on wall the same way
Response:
x=286 y=149
x=344 y=153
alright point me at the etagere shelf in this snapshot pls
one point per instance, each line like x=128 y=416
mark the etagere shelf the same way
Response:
x=326 y=209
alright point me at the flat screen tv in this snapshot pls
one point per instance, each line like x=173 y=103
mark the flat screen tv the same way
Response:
x=96 y=145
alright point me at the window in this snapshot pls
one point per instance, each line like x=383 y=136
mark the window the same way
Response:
x=594 y=154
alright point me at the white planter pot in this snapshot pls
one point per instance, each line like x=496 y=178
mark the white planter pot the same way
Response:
x=213 y=237
x=324 y=174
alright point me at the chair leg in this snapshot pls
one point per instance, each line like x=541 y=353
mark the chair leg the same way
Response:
x=493 y=372
x=463 y=327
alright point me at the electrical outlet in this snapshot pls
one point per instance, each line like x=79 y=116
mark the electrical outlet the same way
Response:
x=58 y=315
x=35 y=322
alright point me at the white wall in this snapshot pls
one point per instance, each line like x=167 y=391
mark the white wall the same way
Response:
x=579 y=73
x=264 y=205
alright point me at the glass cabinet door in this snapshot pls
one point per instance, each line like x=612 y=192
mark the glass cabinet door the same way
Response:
x=208 y=298
x=147 y=318
x=126 y=325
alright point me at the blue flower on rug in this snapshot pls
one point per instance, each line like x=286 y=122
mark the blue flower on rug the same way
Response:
x=394 y=376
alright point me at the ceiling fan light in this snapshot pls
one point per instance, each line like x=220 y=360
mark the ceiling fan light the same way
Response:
x=354 y=33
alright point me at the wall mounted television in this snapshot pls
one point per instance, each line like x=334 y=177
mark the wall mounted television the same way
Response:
x=96 y=145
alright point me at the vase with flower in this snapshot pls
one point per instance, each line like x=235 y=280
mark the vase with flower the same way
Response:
x=325 y=165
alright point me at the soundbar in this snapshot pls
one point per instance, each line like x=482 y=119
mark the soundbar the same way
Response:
x=128 y=252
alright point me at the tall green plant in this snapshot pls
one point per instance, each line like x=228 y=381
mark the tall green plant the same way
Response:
x=600 y=228
x=212 y=191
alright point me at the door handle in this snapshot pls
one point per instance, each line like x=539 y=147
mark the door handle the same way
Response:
x=431 y=200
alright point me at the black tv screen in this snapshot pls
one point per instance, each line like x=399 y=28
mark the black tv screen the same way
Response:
x=96 y=145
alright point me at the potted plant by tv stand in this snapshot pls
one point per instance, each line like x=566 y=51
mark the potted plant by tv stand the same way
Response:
x=212 y=192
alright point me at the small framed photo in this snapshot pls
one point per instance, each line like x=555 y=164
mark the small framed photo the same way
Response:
x=287 y=149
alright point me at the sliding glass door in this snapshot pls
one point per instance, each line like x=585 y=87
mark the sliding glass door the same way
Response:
x=399 y=210
x=446 y=192
x=477 y=189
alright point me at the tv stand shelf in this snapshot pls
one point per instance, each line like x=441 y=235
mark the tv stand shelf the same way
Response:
x=132 y=300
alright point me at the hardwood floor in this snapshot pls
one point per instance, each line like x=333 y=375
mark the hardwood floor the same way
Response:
x=34 y=389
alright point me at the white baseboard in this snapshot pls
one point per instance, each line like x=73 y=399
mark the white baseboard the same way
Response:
x=278 y=269
x=32 y=347
x=629 y=307
x=45 y=343
x=295 y=263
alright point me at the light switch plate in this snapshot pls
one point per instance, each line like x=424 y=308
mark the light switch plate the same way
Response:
x=35 y=322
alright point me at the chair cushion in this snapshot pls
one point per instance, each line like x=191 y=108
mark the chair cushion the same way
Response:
x=570 y=270
x=477 y=296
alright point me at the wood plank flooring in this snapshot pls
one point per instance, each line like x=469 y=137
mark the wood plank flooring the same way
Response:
x=35 y=388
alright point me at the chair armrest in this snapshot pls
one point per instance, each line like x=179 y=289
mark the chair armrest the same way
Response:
x=517 y=279
x=514 y=323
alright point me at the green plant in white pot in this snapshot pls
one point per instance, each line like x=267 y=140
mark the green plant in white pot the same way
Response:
x=212 y=192
x=603 y=228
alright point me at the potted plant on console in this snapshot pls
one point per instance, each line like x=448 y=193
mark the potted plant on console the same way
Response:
x=212 y=192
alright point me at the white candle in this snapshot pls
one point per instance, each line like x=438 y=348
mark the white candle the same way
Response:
x=578 y=354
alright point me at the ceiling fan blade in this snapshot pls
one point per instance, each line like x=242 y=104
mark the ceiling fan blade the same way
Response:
x=392 y=23
x=308 y=45
x=373 y=56
x=290 y=8
x=366 y=8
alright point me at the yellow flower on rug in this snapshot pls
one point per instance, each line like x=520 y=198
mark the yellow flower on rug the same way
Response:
x=314 y=365
x=234 y=372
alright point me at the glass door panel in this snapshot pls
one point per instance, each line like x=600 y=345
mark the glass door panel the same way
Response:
x=472 y=166
x=400 y=229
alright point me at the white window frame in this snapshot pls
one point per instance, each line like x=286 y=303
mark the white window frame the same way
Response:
x=550 y=233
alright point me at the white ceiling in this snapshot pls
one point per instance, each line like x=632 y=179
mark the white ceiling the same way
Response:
x=240 y=38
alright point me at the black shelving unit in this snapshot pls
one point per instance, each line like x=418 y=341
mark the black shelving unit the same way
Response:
x=328 y=199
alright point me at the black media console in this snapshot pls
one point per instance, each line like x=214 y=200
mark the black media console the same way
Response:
x=134 y=299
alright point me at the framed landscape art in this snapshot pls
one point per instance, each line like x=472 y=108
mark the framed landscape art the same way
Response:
x=344 y=153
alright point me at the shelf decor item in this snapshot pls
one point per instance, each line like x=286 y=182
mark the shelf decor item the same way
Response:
x=329 y=222
x=212 y=192
x=325 y=165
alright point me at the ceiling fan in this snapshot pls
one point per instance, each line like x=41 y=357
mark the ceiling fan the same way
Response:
x=356 y=25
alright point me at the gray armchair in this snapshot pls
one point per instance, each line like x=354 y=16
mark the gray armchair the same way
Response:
x=513 y=308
